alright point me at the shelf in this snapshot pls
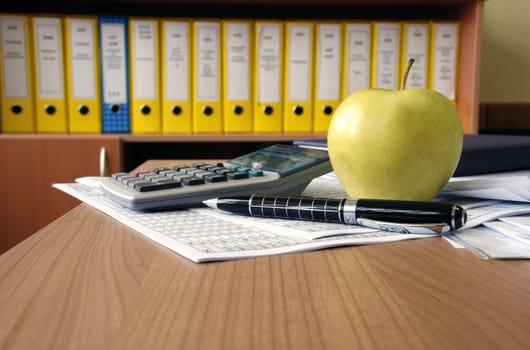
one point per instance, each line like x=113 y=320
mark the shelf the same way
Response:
x=222 y=137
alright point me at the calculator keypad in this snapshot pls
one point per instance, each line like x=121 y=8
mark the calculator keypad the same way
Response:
x=182 y=175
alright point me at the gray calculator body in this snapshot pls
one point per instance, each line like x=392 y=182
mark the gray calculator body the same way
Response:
x=274 y=170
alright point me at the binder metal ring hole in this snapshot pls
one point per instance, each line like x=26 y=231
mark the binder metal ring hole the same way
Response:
x=298 y=110
x=327 y=110
x=50 y=109
x=84 y=110
x=268 y=110
x=145 y=110
x=177 y=110
x=115 y=109
x=208 y=111
x=16 y=109
x=238 y=110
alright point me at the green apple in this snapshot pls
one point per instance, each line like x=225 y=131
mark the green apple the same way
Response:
x=402 y=144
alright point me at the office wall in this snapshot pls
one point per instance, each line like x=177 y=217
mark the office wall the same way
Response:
x=505 y=67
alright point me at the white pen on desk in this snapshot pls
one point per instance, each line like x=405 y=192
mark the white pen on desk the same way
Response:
x=384 y=215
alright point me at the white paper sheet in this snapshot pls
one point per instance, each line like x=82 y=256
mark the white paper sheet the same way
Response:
x=204 y=234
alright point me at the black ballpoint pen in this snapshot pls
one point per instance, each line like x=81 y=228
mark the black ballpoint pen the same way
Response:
x=386 y=215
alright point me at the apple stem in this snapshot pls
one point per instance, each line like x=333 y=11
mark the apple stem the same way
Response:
x=406 y=75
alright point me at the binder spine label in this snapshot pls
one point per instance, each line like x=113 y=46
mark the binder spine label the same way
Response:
x=50 y=60
x=358 y=57
x=83 y=60
x=238 y=62
x=268 y=70
x=208 y=63
x=417 y=47
x=328 y=69
x=387 y=57
x=177 y=61
x=446 y=38
x=114 y=63
x=145 y=81
x=15 y=58
x=299 y=65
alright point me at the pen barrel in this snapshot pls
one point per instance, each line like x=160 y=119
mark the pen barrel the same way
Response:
x=411 y=212
x=298 y=208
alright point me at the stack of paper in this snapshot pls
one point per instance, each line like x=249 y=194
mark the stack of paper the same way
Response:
x=512 y=186
x=505 y=231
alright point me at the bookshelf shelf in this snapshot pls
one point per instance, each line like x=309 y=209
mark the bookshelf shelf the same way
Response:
x=64 y=157
x=223 y=137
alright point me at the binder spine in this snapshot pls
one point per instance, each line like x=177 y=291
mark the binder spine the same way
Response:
x=386 y=55
x=82 y=75
x=357 y=57
x=50 y=94
x=298 y=78
x=415 y=44
x=237 y=84
x=144 y=75
x=328 y=62
x=176 y=76
x=268 y=76
x=207 y=92
x=114 y=78
x=17 y=112
x=445 y=41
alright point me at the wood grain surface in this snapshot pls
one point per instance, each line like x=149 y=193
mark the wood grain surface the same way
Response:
x=88 y=282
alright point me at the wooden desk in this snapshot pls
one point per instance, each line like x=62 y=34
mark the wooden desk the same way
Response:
x=88 y=282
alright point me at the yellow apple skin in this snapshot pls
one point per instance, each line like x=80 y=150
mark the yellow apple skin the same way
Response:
x=401 y=144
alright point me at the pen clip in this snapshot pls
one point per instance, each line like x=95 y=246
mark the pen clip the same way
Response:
x=423 y=228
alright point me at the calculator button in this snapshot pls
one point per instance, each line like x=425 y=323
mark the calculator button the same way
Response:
x=214 y=169
x=155 y=186
x=125 y=179
x=237 y=175
x=202 y=174
x=133 y=183
x=223 y=171
x=192 y=171
x=148 y=176
x=255 y=172
x=180 y=167
x=165 y=172
x=214 y=178
x=160 y=179
x=191 y=181
x=158 y=170
x=170 y=173
x=199 y=165
x=243 y=169
x=209 y=167
x=179 y=176
x=117 y=176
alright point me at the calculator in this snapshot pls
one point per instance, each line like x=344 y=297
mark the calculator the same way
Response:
x=274 y=170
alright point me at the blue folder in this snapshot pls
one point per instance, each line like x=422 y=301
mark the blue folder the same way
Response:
x=115 y=111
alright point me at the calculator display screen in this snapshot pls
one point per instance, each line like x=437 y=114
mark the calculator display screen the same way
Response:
x=282 y=159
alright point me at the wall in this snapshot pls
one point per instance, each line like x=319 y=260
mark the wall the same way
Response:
x=505 y=66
